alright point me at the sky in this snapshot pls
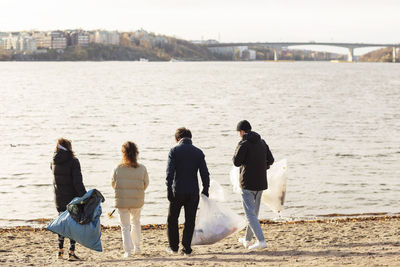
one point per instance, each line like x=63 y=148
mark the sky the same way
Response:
x=368 y=21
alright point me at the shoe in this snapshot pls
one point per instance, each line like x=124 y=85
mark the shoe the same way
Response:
x=127 y=254
x=185 y=253
x=258 y=245
x=170 y=251
x=72 y=257
x=244 y=242
x=60 y=254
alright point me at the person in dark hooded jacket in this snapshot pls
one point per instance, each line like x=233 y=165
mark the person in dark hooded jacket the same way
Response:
x=67 y=185
x=253 y=157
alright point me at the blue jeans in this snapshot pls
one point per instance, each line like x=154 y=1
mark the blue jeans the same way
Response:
x=251 y=204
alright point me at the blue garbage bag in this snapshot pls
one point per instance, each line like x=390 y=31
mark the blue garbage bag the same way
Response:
x=87 y=234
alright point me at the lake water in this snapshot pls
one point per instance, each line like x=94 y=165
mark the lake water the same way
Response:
x=338 y=126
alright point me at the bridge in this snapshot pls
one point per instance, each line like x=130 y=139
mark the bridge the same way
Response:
x=279 y=45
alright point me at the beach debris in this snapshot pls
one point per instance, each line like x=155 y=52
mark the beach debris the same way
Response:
x=110 y=214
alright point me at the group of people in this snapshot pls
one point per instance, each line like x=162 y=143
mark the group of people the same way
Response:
x=130 y=180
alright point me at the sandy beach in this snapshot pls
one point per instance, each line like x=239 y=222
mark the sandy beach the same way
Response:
x=370 y=241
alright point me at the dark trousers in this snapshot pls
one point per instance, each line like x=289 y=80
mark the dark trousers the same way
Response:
x=190 y=203
x=61 y=238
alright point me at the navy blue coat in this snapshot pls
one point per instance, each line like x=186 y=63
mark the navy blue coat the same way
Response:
x=184 y=161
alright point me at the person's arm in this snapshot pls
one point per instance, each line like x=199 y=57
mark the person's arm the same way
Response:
x=146 y=178
x=269 y=159
x=240 y=154
x=171 y=169
x=113 y=182
x=77 y=177
x=205 y=175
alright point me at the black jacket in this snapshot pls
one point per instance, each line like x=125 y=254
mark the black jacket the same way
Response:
x=67 y=180
x=184 y=161
x=253 y=157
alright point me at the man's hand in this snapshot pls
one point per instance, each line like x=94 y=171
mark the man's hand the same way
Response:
x=170 y=194
x=205 y=192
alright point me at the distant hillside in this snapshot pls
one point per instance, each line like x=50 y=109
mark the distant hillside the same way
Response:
x=380 y=55
x=151 y=47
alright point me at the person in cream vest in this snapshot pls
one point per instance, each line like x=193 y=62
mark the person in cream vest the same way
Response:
x=130 y=180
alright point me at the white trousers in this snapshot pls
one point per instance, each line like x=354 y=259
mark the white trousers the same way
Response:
x=130 y=228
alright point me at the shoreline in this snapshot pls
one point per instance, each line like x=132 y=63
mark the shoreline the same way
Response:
x=366 y=241
x=335 y=218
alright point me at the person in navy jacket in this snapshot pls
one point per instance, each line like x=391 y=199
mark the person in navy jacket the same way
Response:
x=184 y=162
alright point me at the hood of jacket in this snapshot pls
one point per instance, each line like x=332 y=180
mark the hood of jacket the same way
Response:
x=252 y=137
x=61 y=156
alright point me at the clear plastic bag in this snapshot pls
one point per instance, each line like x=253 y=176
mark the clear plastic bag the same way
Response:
x=216 y=191
x=234 y=176
x=274 y=196
x=214 y=222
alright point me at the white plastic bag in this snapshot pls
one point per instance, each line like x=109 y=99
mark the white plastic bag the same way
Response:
x=234 y=175
x=274 y=196
x=216 y=191
x=215 y=222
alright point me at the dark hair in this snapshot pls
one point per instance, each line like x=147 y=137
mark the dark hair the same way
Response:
x=65 y=143
x=182 y=133
x=243 y=125
x=129 y=154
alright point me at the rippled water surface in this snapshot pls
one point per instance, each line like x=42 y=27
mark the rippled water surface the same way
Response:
x=338 y=126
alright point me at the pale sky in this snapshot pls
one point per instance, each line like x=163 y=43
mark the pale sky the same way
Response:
x=225 y=20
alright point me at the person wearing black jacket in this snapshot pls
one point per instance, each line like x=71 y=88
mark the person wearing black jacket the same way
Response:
x=184 y=161
x=253 y=157
x=67 y=185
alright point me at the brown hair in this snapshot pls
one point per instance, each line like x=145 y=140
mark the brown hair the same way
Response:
x=181 y=133
x=129 y=154
x=65 y=143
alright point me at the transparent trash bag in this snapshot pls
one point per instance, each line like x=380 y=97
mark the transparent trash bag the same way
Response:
x=234 y=175
x=274 y=196
x=214 y=222
x=216 y=191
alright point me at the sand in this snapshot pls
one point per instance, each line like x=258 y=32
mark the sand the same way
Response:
x=371 y=241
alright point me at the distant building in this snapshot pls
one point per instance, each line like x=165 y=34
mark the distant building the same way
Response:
x=107 y=38
x=249 y=54
x=43 y=40
x=58 y=40
x=18 y=42
x=236 y=52
x=79 y=39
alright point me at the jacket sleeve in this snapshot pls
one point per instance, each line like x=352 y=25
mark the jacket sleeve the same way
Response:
x=113 y=182
x=146 y=178
x=204 y=174
x=240 y=154
x=77 y=178
x=269 y=159
x=170 y=169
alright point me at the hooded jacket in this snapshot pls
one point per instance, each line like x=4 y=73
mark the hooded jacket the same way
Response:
x=253 y=157
x=67 y=180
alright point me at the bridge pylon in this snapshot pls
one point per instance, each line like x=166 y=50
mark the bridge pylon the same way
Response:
x=350 y=55
x=276 y=53
x=394 y=54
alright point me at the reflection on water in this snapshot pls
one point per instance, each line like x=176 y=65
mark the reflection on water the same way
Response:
x=337 y=125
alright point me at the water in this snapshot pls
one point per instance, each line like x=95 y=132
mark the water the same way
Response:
x=338 y=126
